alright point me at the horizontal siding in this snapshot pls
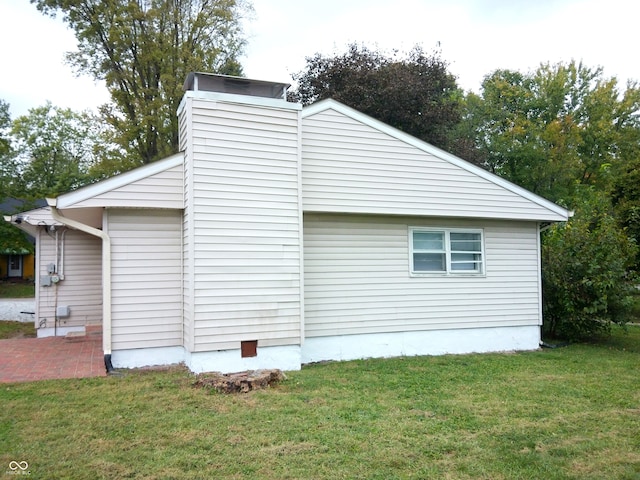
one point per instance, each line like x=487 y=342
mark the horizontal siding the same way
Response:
x=349 y=167
x=162 y=190
x=81 y=288
x=246 y=225
x=146 y=269
x=356 y=275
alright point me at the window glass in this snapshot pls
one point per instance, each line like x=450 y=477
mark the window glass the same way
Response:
x=467 y=242
x=465 y=261
x=429 y=262
x=428 y=240
x=446 y=251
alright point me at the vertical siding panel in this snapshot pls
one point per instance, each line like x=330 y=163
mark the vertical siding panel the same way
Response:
x=357 y=278
x=146 y=300
x=245 y=224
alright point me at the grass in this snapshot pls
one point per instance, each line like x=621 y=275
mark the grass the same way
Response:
x=17 y=289
x=10 y=329
x=566 y=413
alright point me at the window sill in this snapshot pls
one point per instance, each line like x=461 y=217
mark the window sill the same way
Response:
x=446 y=275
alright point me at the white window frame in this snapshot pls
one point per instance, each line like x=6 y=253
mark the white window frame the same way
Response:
x=479 y=272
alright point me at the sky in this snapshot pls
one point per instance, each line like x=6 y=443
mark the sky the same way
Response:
x=475 y=37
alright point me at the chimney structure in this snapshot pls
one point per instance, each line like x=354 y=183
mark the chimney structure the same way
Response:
x=242 y=243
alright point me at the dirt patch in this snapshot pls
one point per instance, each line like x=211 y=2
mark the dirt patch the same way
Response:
x=241 y=382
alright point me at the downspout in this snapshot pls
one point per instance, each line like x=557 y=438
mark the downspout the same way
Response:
x=106 y=276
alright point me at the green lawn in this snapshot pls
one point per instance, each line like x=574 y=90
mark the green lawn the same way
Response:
x=570 y=412
x=19 y=289
x=9 y=329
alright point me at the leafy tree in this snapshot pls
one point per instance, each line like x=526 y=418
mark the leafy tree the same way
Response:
x=55 y=150
x=587 y=278
x=5 y=125
x=554 y=129
x=415 y=94
x=143 y=50
x=8 y=172
x=12 y=240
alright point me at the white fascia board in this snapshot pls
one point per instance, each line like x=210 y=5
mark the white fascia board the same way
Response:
x=67 y=200
x=30 y=220
x=242 y=99
x=330 y=104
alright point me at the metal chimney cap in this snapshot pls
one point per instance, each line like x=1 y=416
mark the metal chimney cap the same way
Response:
x=209 y=82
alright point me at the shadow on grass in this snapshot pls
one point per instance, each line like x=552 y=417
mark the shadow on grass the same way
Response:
x=622 y=338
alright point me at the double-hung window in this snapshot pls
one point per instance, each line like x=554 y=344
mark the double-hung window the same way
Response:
x=446 y=251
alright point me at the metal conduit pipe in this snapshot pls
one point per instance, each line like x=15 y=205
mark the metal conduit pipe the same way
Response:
x=106 y=276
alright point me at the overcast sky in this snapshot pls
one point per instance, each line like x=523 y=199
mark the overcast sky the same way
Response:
x=474 y=36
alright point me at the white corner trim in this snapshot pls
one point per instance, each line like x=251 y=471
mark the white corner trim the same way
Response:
x=330 y=104
x=69 y=199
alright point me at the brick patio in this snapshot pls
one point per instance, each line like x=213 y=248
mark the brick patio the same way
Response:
x=31 y=359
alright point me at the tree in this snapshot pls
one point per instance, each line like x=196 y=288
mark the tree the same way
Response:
x=5 y=125
x=55 y=150
x=12 y=240
x=415 y=94
x=143 y=50
x=554 y=129
x=8 y=172
x=588 y=282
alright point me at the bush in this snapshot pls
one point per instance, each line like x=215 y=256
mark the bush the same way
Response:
x=586 y=273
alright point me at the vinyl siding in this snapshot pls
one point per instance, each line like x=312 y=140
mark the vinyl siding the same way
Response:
x=161 y=190
x=184 y=122
x=350 y=167
x=357 y=278
x=81 y=288
x=245 y=224
x=146 y=268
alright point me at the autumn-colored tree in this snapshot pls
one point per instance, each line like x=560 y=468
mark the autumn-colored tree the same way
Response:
x=143 y=50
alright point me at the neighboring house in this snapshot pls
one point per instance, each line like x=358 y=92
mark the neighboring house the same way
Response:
x=17 y=260
x=281 y=236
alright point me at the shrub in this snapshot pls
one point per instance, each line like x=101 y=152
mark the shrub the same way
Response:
x=586 y=273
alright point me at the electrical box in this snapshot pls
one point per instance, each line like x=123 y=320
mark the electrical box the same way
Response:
x=45 y=281
x=63 y=311
x=51 y=268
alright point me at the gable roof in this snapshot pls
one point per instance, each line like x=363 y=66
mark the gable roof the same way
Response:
x=135 y=188
x=426 y=159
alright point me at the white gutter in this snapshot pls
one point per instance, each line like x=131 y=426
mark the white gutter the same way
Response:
x=106 y=275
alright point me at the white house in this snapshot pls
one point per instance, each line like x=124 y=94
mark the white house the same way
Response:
x=280 y=236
